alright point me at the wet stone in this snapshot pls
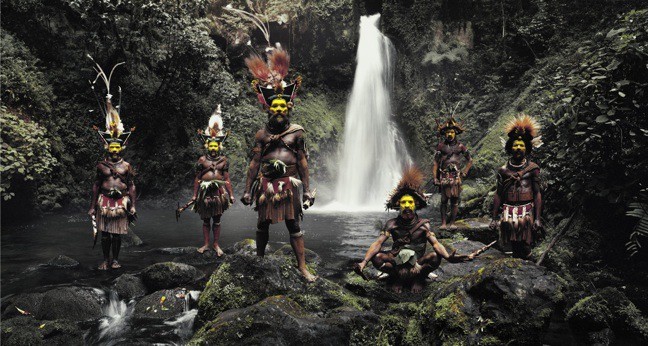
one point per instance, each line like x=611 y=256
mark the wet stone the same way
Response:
x=129 y=286
x=170 y=275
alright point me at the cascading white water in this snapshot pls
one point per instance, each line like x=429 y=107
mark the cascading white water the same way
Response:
x=372 y=153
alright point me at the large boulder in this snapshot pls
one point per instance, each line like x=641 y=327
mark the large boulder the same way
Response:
x=26 y=330
x=243 y=280
x=506 y=300
x=170 y=275
x=28 y=302
x=71 y=303
x=608 y=317
x=278 y=320
x=129 y=286
x=312 y=258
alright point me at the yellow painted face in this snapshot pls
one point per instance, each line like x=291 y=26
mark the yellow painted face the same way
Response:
x=213 y=146
x=114 y=148
x=450 y=134
x=279 y=106
x=407 y=202
x=519 y=145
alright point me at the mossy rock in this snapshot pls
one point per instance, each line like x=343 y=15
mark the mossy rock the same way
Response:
x=507 y=300
x=245 y=247
x=26 y=330
x=243 y=280
x=608 y=309
x=161 y=305
x=279 y=320
x=312 y=258
x=170 y=275
x=129 y=286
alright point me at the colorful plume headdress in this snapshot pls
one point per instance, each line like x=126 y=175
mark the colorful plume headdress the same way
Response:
x=410 y=184
x=214 y=129
x=114 y=127
x=523 y=127
x=451 y=123
x=269 y=77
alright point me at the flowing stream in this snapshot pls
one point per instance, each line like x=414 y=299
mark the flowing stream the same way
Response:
x=373 y=154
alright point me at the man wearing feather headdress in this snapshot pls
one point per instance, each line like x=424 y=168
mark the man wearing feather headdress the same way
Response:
x=407 y=263
x=113 y=193
x=212 y=192
x=446 y=170
x=519 y=197
x=279 y=160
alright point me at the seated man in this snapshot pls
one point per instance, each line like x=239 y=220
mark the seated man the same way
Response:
x=407 y=263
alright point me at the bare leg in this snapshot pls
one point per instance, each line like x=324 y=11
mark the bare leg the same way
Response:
x=105 y=248
x=454 y=208
x=116 y=246
x=262 y=236
x=429 y=262
x=297 y=243
x=444 y=209
x=216 y=229
x=205 y=231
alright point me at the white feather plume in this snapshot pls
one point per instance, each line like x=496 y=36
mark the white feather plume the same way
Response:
x=215 y=122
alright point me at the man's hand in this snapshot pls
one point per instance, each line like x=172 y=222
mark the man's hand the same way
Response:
x=437 y=182
x=132 y=211
x=232 y=200
x=91 y=212
x=309 y=200
x=454 y=258
x=359 y=267
x=246 y=199
x=493 y=224
x=539 y=228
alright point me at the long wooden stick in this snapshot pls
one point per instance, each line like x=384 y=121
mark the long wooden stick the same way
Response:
x=555 y=239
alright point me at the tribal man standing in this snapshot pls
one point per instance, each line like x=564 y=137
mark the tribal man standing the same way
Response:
x=446 y=172
x=212 y=192
x=519 y=196
x=407 y=263
x=113 y=193
x=279 y=157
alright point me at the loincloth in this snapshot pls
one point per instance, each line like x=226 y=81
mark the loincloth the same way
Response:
x=112 y=214
x=517 y=223
x=450 y=181
x=277 y=194
x=213 y=199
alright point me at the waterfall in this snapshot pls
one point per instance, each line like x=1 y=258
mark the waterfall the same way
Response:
x=372 y=153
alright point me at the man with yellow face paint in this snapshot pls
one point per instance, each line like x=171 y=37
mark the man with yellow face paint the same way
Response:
x=113 y=192
x=212 y=192
x=519 y=197
x=406 y=263
x=279 y=160
x=446 y=170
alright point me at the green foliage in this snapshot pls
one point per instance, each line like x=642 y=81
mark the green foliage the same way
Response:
x=638 y=210
x=26 y=153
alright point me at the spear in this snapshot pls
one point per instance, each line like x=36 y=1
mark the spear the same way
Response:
x=481 y=250
x=181 y=209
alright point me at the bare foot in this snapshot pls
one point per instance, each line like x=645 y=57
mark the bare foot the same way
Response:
x=417 y=286
x=382 y=276
x=397 y=288
x=203 y=249
x=443 y=226
x=452 y=227
x=218 y=250
x=103 y=265
x=115 y=265
x=307 y=275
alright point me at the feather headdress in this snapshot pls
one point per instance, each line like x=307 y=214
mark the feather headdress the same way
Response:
x=269 y=82
x=523 y=127
x=114 y=125
x=214 y=129
x=410 y=184
x=451 y=123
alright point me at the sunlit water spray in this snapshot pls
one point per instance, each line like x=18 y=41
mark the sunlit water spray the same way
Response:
x=372 y=152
